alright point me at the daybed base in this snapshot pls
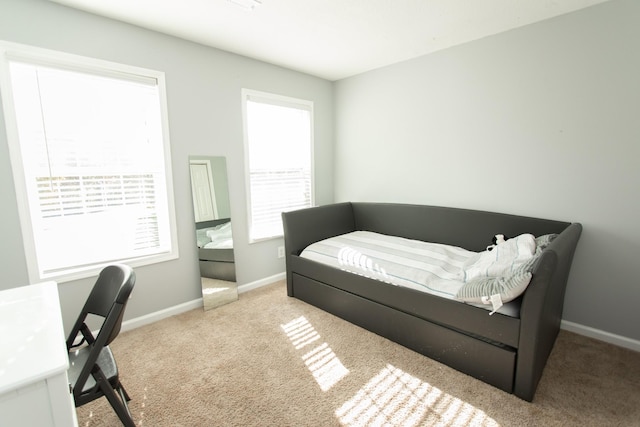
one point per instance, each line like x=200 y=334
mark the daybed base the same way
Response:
x=493 y=365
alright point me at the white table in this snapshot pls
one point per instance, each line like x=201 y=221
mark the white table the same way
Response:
x=34 y=389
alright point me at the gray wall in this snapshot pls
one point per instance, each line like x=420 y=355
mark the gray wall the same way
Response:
x=541 y=121
x=204 y=102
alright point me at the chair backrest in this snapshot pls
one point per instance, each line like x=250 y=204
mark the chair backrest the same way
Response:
x=108 y=299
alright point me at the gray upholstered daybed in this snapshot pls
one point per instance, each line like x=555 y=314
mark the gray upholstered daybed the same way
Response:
x=508 y=349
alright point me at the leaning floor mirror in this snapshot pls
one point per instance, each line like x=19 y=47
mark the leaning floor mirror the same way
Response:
x=212 y=211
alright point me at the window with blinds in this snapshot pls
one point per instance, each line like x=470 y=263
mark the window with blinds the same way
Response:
x=90 y=155
x=278 y=152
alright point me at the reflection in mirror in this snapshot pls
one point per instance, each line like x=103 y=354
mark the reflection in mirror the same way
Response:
x=211 y=207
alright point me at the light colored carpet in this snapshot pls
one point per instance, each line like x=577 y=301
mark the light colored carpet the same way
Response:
x=271 y=360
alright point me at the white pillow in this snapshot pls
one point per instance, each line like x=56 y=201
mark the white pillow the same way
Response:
x=503 y=260
x=543 y=241
x=202 y=238
x=481 y=289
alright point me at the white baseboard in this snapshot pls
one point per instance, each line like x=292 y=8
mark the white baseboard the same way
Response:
x=127 y=325
x=262 y=282
x=607 y=337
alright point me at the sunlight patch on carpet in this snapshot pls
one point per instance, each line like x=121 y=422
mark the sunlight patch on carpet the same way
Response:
x=321 y=361
x=143 y=405
x=300 y=332
x=325 y=366
x=394 y=397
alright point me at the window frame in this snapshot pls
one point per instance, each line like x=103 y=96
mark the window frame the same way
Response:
x=279 y=100
x=38 y=56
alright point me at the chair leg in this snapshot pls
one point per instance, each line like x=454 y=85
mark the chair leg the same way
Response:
x=123 y=393
x=120 y=406
x=125 y=398
x=122 y=410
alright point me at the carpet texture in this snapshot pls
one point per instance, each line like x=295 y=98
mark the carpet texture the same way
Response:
x=271 y=360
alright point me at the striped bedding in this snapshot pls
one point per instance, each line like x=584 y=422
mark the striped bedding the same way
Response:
x=428 y=267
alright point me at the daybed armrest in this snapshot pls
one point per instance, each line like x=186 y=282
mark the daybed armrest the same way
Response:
x=306 y=226
x=541 y=310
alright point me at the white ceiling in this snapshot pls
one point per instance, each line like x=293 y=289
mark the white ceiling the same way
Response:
x=332 y=39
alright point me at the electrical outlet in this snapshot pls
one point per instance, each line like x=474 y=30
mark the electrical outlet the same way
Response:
x=280 y=251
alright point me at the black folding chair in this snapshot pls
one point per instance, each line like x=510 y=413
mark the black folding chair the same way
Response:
x=93 y=372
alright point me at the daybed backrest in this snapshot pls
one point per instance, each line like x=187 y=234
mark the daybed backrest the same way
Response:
x=470 y=229
x=306 y=226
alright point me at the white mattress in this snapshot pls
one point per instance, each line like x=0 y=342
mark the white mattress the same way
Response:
x=428 y=267
x=218 y=237
x=434 y=268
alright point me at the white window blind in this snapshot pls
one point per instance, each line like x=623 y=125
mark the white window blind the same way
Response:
x=279 y=136
x=90 y=148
